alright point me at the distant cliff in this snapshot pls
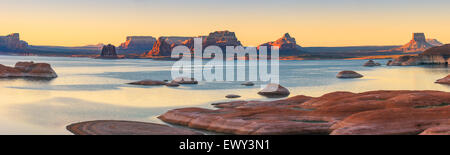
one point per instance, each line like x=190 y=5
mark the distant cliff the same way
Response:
x=436 y=55
x=222 y=39
x=137 y=44
x=287 y=46
x=12 y=42
x=418 y=43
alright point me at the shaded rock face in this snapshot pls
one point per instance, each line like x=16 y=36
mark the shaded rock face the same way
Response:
x=28 y=69
x=434 y=42
x=125 y=128
x=287 y=46
x=445 y=80
x=339 y=113
x=138 y=44
x=371 y=63
x=274 y=91
x=348 y=75
x=109 y=52
x=435 y=55
x=13 y=42
x=418 y=43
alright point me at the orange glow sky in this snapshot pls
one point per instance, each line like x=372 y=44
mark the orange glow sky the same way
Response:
x=318 y=23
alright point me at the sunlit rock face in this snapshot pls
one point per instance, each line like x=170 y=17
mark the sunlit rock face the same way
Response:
x=164 y=46
x=138 y=44
x=222 y=39
x=287 y=46
x=28 y=69
x=108 y=52
x=13 y=42
x=434 y=42
x=418 y=43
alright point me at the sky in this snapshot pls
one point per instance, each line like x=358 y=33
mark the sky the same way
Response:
x=312 y=23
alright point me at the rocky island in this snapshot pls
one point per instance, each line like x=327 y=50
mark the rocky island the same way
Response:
x=108 y=52
x=438 y=55
x=28 y=70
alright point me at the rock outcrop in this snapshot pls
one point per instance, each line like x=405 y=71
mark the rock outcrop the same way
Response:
x=287 y=46
x=445 y=80
x=27 y=69
x=184 y=80
x=436 y=55
x=164 y=45
x=125 y=128
x=418 y=43
x=274 y=91
x=108 y=52
x=434 y=42
x=339 y=113
x=137 y=44
x=148 y=83
x=371 y=63
x=12 y=42
x=348 y=75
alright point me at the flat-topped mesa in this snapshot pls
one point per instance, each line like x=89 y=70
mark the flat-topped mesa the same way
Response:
x=417 y=44
x=138 y=44
x=13 y=42
x=221 y=39
x=108 y=52
x=287 y=46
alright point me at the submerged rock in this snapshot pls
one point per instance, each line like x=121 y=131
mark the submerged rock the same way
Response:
x=28 y=69
x=367 y=113
x=274 y=91
x=348 y=74
x=232 y=96
x=148 y=83
x=125 y=128
x=371 y=63
x=248 y=84
x=185 y=80
x=445 y=80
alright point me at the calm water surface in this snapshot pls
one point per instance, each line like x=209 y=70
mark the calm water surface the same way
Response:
x=92 y=89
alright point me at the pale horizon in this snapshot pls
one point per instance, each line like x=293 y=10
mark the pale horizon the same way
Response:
x=324 y=23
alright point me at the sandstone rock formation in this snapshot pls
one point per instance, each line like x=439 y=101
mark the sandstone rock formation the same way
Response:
x=185 y=80
x=108 y=52
x=125 y=128
x=445 y=80
x=137 y=44
x=274 y=91
x=233 y=96
x=287 y=46
x=367 y=113
x=417 y=44
x=434 y=42
x=248 y=84
x=173 y=84
x=12 y=42
x=28 y=69
x=371 y=63
x=221 y=39
x=348 y=75
x=435 y=55
x=148 y=83
x=164 y=45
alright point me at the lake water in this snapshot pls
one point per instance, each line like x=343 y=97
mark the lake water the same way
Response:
x=93 y=89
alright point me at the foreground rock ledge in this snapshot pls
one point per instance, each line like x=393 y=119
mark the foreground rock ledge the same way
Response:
x=28 y=69
x=125 y=128
x=339 y=113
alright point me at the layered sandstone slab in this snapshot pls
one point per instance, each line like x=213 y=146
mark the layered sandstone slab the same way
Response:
x=385 y=112
x=125 y=128
x=28 y=69
x=445 y=80
x=439 y=55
